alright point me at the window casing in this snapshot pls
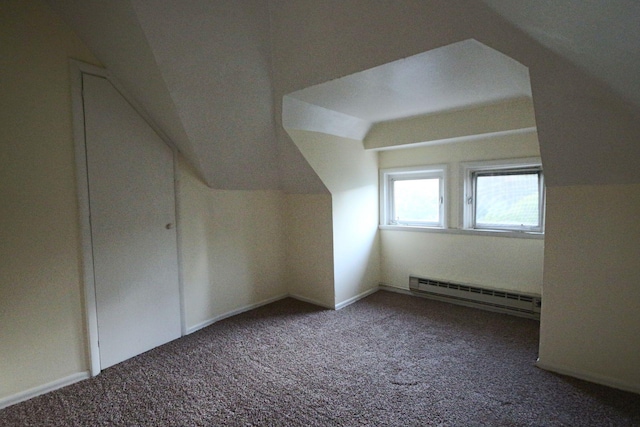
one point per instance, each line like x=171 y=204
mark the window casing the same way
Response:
x=413 y=197
x=504 y=196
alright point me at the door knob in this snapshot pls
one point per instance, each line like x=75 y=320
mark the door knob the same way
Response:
x=169 y=226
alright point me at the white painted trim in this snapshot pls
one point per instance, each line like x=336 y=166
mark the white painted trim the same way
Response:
x=42 y=389
x=441 y=171
x=358 y=297
x=467 y=232
x=465 y=187
x=594 y=378
x=181 y=280
x=311 y=301
x=240 y=310
x=231 y=313
x=391 y=288
x=91 y=310
x=77 y=69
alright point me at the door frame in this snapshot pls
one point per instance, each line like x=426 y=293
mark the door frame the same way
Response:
x=77 y=69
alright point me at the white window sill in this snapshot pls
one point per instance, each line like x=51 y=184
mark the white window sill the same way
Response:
x=467 y=232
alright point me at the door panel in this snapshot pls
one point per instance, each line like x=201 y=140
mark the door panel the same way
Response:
x=132 y=205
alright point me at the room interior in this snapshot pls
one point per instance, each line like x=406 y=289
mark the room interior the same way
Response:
x=277 y=170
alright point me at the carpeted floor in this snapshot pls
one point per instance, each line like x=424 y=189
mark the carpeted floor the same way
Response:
x=387 y=360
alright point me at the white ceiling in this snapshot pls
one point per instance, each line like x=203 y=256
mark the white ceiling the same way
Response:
x=600 y=36
x=202 y=70
x=602 y=39
x=214 y=57
x=461 y=75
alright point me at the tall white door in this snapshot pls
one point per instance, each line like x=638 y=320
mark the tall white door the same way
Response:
x=132 y=215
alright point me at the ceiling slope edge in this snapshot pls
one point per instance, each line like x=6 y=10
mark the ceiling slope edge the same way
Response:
x=600 y=38
x=215 y=60
x=111 y=31
x=302 y=115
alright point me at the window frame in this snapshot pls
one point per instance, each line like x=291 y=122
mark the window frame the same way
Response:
x=468 y=203
x=387 y=176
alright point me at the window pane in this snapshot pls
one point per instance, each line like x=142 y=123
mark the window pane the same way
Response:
x=507 y=200
x=417 y=200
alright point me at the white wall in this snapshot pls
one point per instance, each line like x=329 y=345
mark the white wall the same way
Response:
x=351 y=174
x=42 y=336
x=232 y=248
x=496 y=262
x=592 y=277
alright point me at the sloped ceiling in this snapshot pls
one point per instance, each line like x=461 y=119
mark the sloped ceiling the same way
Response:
x=202 y=70
x=601 y=37
x=112 y=32
x=214 y=58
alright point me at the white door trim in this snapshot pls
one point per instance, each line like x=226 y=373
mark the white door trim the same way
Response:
x=77 y=69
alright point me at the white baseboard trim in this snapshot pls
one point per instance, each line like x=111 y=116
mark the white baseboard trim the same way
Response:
x=343 y=304
x=240 y=310
x=594 y=378
x=391 y=288
x=42 y=389
x=311 y=301
x=351 y=300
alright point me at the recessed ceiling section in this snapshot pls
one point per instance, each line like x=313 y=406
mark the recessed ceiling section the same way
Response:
x=463 y=75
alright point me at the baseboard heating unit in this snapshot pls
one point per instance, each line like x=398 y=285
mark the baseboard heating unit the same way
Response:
x=524 y=305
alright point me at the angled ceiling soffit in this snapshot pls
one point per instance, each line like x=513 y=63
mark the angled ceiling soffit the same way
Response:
x=463 y=78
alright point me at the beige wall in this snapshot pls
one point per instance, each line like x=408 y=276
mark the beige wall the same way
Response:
x=513 y=146
x=588 y=136
x=588 y=139
x=500 y=117
x=590 y=327
x=350 y=174
x=309 y=248
x=41 y=315
x=232 y=248
x=496 y=262
x=233 y=242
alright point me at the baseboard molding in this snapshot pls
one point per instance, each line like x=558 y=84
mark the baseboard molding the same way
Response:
x=338 y=306
x=42 y=389
x=391 y=288
x=240 y=310
x=343 y=304
x=311 y=301
x=351 y=300
x=593 y=378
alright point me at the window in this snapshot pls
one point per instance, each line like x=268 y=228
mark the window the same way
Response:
x=504 y=196
x=413 y=197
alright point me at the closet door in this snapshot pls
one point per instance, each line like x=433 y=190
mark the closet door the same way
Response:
x=132 y=215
